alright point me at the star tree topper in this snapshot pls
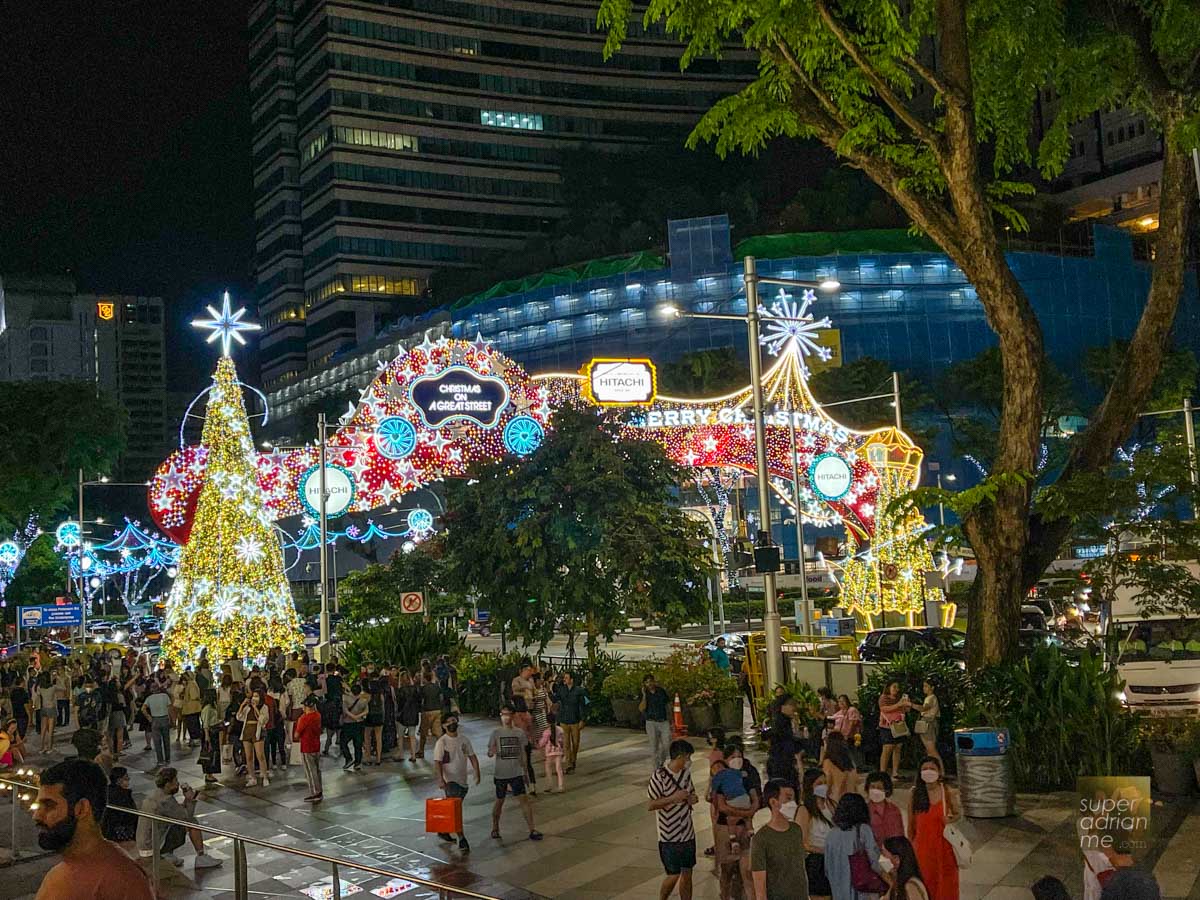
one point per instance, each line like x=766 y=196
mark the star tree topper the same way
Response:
x=226 y=325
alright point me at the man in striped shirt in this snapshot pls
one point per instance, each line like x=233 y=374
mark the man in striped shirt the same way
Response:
x=671 y=799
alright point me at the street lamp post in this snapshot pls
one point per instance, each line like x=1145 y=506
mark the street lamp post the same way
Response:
x=103 y=479
x=751 y=278
x=324 y=649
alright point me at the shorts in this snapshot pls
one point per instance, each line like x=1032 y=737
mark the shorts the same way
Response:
x=505 y=785
x=454 y=789
x=886 y=737
x=677 y=856
x=818 y=881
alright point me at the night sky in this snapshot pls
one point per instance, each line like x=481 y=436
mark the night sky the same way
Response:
x=124 y=153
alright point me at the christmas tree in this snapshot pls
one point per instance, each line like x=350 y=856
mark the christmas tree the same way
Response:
x=231 y=596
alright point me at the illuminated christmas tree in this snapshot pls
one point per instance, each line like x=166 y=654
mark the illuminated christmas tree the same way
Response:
x=230 y=596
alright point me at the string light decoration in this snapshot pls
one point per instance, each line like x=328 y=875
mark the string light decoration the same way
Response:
x=230 y=596
x=889 y=574
x=385 y=445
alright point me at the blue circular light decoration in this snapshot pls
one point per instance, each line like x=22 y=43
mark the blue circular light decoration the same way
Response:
x=420 y=520
x=396 y=437
x=68 y=534
x=830 y=477
x=523 y=435
x=10 y=554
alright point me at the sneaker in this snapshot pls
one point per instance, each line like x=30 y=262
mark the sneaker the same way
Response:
x=318 y=798
x=357 y=767
x=347 y=767
x=172 y=859
x=463 y=845
x=535 y=835
x=266 y=781
x=309 y=798
x=250 y=782
x=204 y=861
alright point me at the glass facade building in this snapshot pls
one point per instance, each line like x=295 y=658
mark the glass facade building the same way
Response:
x=915 y=310
x=396 y=137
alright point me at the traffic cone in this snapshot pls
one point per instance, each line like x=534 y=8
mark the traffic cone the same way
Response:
x=678 y=729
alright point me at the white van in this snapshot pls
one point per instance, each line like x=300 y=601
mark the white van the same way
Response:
x=1158 y=656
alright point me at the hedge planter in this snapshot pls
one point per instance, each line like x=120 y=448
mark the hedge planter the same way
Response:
x=700 y=719
x=625 y=712
x=1172 y=773
x=731 y=716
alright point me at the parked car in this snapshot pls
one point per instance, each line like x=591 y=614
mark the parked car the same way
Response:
x=1034 y=618
x=735 y=643
x=884 y=643
x=27 y=646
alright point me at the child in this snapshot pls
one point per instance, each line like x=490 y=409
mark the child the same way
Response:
x=552 y=744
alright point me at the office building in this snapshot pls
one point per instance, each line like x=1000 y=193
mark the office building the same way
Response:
x=49 y=332
x=396 y=137
x=1113 y=171
x=902 y=302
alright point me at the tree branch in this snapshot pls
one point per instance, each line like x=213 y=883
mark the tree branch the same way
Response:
x=923 y=132
x=934 y=80
x=1134 y=380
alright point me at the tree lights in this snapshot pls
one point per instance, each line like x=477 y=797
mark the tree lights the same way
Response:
x=231 y=596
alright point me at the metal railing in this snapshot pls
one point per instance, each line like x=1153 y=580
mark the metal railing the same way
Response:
x=241 y=882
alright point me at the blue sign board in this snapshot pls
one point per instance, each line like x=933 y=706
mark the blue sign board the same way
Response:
x=51 y=616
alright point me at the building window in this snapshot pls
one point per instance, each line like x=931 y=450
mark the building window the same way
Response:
x=37 y=333
x=522 y=121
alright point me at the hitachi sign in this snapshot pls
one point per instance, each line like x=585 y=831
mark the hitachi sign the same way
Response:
x=620 y=382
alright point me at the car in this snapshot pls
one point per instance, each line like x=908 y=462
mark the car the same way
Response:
x=1034 y=618
x=1073 y=648
x=882 y=644
x=26 y=646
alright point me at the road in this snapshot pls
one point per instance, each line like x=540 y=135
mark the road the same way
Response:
x=631 y=645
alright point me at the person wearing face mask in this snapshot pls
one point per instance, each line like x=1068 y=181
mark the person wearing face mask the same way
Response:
x=898 y=862
x=671 y=800
x=70 y=804
x=161 y=802
x=851 y=835
x=886 y=819
x=777 y=858
x=816 y=818
x=451 y=754
x=507 y=746
x=735 y=806
x=934 y=804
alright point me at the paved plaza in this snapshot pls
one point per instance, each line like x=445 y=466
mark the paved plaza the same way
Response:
x=599 y=840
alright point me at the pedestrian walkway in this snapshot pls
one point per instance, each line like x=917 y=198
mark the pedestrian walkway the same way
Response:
x=599 y=840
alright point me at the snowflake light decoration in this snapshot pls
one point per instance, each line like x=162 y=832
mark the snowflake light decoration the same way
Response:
x=785 y=321
x=249 y=550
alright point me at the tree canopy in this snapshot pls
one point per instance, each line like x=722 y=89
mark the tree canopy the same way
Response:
x=49 y=430
x=584 y=531
x=934 y=101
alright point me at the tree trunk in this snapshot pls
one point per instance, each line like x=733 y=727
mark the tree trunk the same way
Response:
x=591 y=639
x=1127 y=396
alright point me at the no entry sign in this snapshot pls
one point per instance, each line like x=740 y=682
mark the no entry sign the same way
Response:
x=412 y=602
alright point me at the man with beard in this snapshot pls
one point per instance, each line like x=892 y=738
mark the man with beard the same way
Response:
x=70 y=803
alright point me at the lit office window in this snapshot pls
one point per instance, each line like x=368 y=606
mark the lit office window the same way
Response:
x=522 y=121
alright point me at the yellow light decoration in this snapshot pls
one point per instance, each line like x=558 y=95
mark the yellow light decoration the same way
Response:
x=891 y=574
x=231 y=596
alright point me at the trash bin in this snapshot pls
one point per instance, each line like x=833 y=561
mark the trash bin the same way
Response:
x=985 y=775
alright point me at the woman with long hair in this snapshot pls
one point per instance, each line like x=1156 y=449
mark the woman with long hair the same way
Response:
x=47 y=700
x=254 y=719
x=927 y=725
x=934 y=805
x=851 y=834
x=210 y=737
x=551 y=745
x=374 y=722
x=408 y=711
x=815 y=818
x=838 y=767
x=892 y=707
x=900 y=867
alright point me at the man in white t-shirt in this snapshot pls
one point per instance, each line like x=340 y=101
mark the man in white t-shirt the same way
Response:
x=450 y=756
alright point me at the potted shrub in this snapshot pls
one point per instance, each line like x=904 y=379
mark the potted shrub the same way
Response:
x=700 y=711
x=623 y=689
x=1169 y=741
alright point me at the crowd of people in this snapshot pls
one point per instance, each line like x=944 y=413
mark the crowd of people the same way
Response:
x=832 y=832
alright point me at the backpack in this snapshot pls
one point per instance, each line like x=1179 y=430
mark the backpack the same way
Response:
x=89 y=709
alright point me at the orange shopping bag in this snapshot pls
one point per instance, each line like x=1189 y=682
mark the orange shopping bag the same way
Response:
x=443 y=815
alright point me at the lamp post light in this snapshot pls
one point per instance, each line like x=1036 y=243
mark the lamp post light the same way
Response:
x=751 y=279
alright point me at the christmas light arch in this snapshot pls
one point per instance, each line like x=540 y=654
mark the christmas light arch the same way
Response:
x=489 y=407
